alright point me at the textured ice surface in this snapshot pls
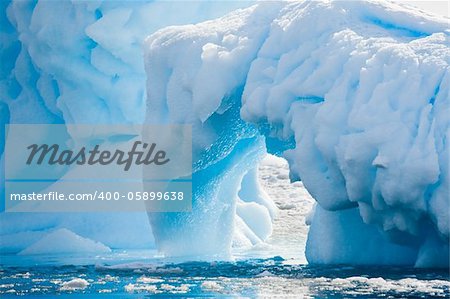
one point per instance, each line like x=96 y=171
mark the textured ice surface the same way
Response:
x=355 y=94
x=81 y=62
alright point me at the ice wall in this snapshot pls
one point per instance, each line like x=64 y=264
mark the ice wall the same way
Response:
x=361 y=87
x=81 y=62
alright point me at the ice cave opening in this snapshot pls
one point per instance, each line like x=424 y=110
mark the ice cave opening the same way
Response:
x=290 y=223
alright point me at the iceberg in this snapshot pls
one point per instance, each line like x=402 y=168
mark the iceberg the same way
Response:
x=354 y=94
x=72 y=62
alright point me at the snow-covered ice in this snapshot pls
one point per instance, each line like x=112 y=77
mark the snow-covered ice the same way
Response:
x=74 y=284
x=81 y=62
x=357 y=95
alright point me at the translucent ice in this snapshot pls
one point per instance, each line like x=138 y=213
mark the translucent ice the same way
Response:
x=80 y=62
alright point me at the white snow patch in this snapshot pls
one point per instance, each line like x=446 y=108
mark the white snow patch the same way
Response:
x=210 y=285
x=74 y=284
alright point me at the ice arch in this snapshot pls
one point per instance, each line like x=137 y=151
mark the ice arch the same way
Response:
x=354 y=94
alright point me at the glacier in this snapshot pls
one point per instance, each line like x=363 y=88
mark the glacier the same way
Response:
x=354 y=94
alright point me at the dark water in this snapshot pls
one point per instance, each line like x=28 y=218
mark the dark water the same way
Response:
x=244 y=278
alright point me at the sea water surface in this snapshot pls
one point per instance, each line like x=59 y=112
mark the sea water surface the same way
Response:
x=139 y=274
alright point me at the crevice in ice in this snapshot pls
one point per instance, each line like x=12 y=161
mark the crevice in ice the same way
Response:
x=275 y=144
x=98 y=14
x=309 y=99
x=398 y=30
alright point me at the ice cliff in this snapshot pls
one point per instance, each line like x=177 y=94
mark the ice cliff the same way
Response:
x=354 y=94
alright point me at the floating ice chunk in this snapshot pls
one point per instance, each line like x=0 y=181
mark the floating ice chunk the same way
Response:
x=132 y=288
x=264 y=273
x=211 y=286
x=144 y=279
x=74 y=284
